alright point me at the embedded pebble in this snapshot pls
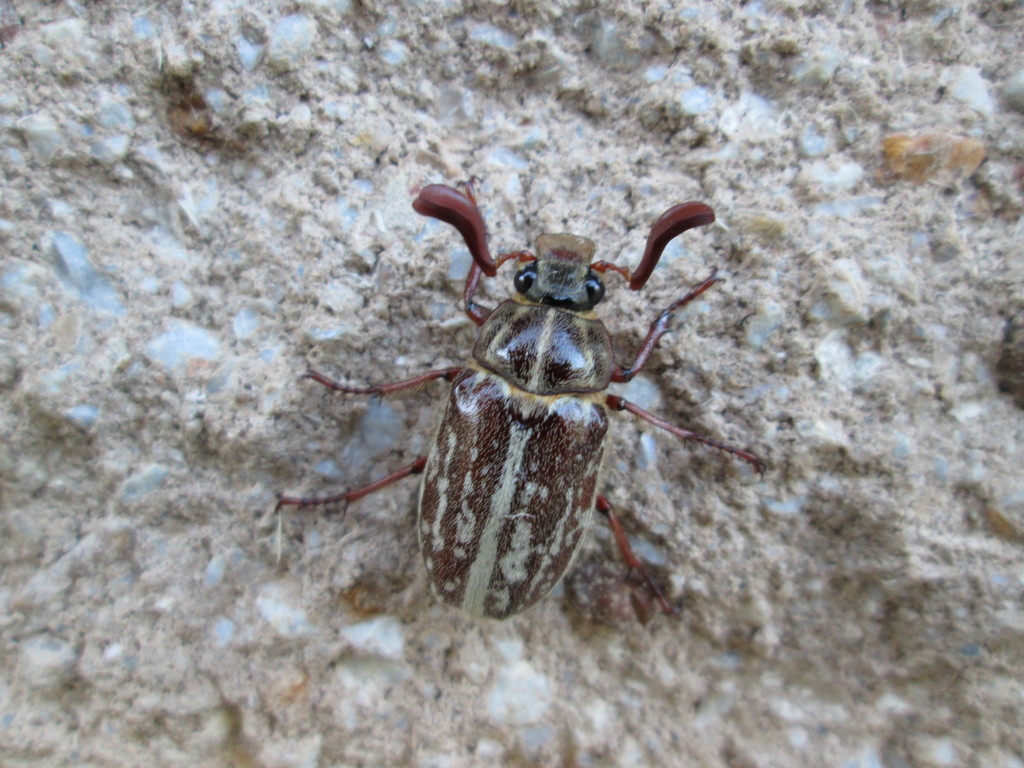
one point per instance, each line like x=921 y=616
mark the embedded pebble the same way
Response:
x=381 y=636
x=248 y=53
x=844 y=299
x=380 y=428
x=47 y=661
x=784 y=507
x=849 y=208
x=454 y=104
x=393 y=52
x=753 y=118
x=80 y=278
x=458 y=268
x=505 y=157
x=285 y=619
x=245 y=323
x=696 y=101
x=43 y=136
x=967 y=86
x=143 y=28
x=173 y=349
x=520 y=695
x=647 y=452
x=839 y=363
x=290 y=41
x=818 y=68
x=642 y=391
x=491 y=35
x=67 y=47
x=919 y=158
x=181 y=296
x=758 y=328
x=223 y=631
x=840 y=178
x=115 y=115
x=340 y=6
x=214 y=573
x=111 y=151
x=811 y=143
x=83 y=415
x=1013 y=91
x=144 y=482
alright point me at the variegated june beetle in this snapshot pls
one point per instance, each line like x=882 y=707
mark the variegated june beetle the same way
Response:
x=511 y=480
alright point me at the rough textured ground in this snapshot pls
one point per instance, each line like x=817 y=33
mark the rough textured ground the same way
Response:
x=200 y=199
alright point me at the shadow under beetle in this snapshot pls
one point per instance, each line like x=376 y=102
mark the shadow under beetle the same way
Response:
x=510 y=482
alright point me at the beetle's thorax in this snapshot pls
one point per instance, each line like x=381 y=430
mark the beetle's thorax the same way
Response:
x=545 y=350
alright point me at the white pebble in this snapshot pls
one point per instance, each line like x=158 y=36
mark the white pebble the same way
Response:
x=43 y=136
x=290 y=40
x=245 y=323
x=109 y=152
x=696 y=101
x=490 y=35
x=817 y=69
x=47 y=662
x=83 y=415
x=810 y=143
x=520 y=696
x=143 y=482
x=80 y=277
x=763 y=324
x=381 y=636
x=840 y=178
x=285 y=619
x=248 y=53
x=966 y=85
x=173 y=349
x=393 y=52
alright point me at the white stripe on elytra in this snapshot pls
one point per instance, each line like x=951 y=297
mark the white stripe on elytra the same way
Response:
x=486 y=560
x=442 y=485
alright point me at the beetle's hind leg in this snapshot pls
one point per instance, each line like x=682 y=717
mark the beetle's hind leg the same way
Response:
x=633 y=562
x=347 y=497
x=617 y=403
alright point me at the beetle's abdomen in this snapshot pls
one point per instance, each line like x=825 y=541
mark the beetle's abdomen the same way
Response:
x=507 y=494
x=544 y=350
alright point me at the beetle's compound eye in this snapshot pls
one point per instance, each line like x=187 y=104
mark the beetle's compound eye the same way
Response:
x=595 y=289
x=526 y=277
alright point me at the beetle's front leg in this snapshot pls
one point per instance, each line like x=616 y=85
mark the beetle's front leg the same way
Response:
x=659 y=328
x=617 y=403
x=632 y=561
x=448 y=374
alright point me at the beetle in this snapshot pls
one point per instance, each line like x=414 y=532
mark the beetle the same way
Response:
x=510 y=483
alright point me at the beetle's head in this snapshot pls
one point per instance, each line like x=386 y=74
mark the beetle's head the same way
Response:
x=561 y=276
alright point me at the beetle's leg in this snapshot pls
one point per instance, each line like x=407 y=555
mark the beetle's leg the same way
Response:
x=357 y=493
x=660 y=327
x=632 y=561
x=617 y=403
x=477 y=313
x=381 y=390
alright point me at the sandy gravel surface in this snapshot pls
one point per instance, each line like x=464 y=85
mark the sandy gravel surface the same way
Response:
x=198 y=200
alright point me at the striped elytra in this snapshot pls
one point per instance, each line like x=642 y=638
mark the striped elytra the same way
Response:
x=508 y=493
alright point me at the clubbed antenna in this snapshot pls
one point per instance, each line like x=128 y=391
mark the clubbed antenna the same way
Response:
x=460 y=210
x=669 y=225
